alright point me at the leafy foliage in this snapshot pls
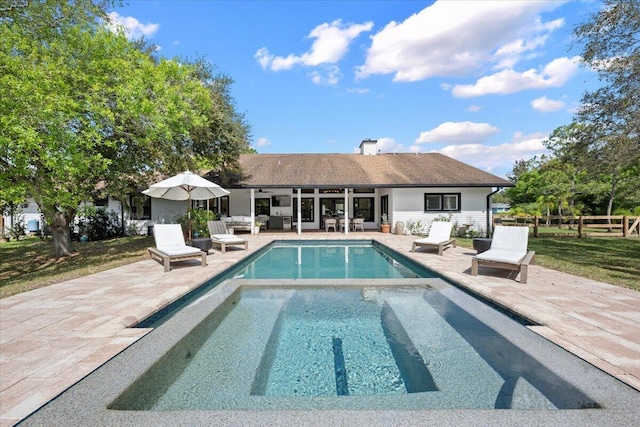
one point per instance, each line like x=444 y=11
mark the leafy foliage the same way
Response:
x=99 y=223
x=596 y=160
x=199 y=218
x=84 y=112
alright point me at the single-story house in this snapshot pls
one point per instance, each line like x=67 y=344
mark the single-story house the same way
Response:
x=305 y=188
x=300 y=191
x=500 y=207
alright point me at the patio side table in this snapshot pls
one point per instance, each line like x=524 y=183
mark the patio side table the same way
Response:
x=481 y=244
x=202 y=243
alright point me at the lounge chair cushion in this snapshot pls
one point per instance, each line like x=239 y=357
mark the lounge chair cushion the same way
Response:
x=501 y=255
x=512 y=239
x=178 y=250
x=227 y=238
x=430 y=240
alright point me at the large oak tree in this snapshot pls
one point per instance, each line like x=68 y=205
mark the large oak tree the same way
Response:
x=610 y=115
x=83 y=106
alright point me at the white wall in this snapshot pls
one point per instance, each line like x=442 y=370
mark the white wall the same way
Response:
x=26 y=212
x=408 y=204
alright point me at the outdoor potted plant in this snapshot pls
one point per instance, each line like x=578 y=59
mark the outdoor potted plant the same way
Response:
x=256 y=227
x=385 y=226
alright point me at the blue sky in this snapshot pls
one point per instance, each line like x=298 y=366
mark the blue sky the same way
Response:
x=480 y=81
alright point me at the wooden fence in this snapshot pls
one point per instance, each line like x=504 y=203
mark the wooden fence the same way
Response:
x=591 y=226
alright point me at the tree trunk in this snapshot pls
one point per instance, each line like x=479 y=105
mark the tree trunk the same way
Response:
x=61 y=235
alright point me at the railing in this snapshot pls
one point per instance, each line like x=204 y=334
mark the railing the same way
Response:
x=592 y=225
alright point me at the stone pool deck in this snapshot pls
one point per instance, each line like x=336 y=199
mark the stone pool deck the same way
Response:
x=52 y=337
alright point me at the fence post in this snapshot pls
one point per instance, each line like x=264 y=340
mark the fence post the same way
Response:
x=625 y=226
x=535 y=226
x=580 y=224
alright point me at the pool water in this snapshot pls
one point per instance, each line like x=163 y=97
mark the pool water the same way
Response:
x=329 y=343
x=328 y=261
x=355 y=347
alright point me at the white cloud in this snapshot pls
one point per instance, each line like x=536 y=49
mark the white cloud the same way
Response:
x=262 y=142
x=546 y=105
x=434 y=43
x=474 y=108
x=498 y=159
x=458 y=133
x=330 y=78
x=554 y=74
x=513 y=52
x=132 y=27
x=331 y=43
x=358 y=90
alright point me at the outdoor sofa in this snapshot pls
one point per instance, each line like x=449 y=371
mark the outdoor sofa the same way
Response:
x=238 y=223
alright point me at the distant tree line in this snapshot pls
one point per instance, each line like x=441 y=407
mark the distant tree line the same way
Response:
x=85 y=112
x=594 y=166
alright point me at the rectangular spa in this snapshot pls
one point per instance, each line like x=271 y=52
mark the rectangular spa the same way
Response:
x=382 y=341
x=353 y=346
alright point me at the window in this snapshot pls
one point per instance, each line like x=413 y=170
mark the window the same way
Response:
x=384 y=205
x=102 y=202
x=281 y=201
x=332 y=207
x=140 y=206
x=263 y=206
x=363 y=208
x=306 y=211
x=363 y=190
x=442 y=202
x=223 y=207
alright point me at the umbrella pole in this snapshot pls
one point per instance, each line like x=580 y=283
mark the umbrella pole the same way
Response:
x=189 y=215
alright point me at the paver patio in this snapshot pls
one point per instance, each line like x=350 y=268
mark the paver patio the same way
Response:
x=52 y=337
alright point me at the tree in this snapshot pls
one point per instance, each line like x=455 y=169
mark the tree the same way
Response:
x=610 y=116
x=82 y=106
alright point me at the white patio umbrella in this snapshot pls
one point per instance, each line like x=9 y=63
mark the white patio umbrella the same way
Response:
x=186 y=186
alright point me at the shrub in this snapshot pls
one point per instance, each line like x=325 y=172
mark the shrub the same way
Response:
x=98 y=223
x=199 y=218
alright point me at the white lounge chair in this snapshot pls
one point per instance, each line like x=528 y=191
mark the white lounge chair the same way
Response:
x=508 y=251
x=170 y=246
x=439 y=237
x=220 y=236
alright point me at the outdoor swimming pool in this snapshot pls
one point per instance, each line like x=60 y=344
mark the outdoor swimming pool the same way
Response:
x=267 y=346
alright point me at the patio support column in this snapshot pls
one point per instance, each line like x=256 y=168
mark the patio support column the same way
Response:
x=253 y=210
x=299 y=219
x=346 y=211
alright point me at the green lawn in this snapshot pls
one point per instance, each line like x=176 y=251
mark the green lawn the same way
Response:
x=29 y=264
x=613 y=260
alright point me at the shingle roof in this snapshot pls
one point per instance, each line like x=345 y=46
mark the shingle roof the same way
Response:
x=357 y=170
